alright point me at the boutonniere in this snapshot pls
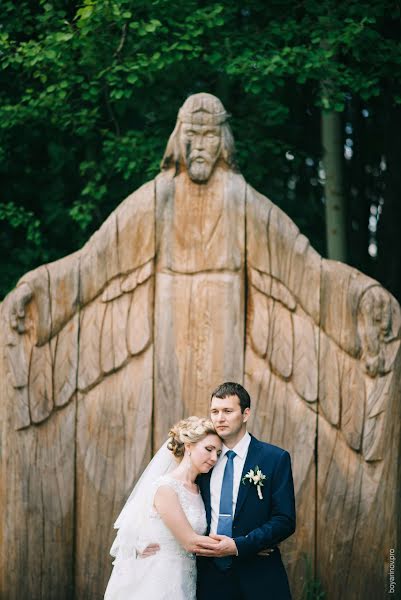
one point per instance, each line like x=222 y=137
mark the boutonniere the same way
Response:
x=256 y=477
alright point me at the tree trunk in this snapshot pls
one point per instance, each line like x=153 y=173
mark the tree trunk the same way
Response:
x=388 y=235
x=334 y=192
x=358 y=188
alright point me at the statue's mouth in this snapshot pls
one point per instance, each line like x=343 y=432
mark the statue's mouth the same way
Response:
x=200 y=167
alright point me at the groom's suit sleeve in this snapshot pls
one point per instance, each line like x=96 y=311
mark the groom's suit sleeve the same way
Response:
x=282 y=521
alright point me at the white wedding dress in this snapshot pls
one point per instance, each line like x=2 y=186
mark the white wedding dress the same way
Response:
x=171 y=573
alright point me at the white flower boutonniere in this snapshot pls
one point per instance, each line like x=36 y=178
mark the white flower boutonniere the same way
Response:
x=256 y=477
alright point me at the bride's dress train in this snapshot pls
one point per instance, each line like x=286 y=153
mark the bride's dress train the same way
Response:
x=169 y=574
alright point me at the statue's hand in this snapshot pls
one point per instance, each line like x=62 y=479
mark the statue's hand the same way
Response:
x=375 y=330
x=17 y=304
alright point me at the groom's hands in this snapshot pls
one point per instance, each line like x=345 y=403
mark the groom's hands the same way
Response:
x=225 y=546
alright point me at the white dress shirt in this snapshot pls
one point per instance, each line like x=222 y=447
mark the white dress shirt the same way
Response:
x=216 y=479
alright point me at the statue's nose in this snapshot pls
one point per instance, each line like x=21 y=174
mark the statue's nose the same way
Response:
x=199 y=142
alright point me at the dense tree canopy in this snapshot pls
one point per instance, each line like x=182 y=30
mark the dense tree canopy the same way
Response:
x=89 y=93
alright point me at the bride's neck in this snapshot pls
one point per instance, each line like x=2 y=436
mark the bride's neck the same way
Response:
x=186 y=471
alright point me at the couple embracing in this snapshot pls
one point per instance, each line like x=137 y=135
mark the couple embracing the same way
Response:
x=205 y=518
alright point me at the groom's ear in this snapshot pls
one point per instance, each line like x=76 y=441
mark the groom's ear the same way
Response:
x=245 y=415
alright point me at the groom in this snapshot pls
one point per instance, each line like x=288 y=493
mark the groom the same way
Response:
x=247 y=514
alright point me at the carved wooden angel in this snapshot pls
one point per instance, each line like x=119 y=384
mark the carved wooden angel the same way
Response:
x=194 y=279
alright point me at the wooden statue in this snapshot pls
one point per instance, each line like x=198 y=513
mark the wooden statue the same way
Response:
x=195 y=279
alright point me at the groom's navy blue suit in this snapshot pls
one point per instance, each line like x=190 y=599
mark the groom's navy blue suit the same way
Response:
x=257 y=524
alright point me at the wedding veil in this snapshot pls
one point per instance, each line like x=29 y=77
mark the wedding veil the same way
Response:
x=133 y=521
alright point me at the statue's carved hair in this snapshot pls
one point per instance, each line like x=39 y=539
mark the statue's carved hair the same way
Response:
x=192 y=429
x=211 y=108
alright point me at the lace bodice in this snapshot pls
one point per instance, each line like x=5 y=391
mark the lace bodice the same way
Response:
x=193 y=507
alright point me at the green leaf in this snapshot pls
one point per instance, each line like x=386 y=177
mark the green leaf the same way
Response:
x=85 y=12
x=132 y=78
x=63 y=37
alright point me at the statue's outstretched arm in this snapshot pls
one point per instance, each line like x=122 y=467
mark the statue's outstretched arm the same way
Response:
x=65 y=325
x=46 y=298
x=333 y=333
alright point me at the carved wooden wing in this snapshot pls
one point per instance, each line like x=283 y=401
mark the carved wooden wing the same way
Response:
x=324 y=333
x=76 y=392
x=100 y=339
x=91 y=313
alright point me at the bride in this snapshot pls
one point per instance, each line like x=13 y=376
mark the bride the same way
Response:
x=165 y=507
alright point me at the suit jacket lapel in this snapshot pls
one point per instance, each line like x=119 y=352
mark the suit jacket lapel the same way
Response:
x=204 y=485
x=250 y=461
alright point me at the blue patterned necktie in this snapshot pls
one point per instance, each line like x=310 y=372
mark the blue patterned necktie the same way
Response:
x=225 y=522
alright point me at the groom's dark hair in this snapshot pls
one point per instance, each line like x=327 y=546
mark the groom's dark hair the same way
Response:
x=233 y=389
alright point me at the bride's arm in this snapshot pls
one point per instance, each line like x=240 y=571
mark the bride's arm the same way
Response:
x=170 y=510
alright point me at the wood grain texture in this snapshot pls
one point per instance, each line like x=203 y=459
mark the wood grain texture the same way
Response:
x=99 y=260
x=200 y=227
x=199 y=333
x=17 y=356
x=329 y=379
x=113 y=446
x=339 y=318
x=355 y=504
x=139 y=331
x=378 y=399
x=352 y=402
x=259 y=321
x=356 y=494
x=305 y=276
x=199 y=293
x=281 y=340
x=38 y=317
x=136 y=228
x=305 y=373
x=41 y=383
x=282 y=418
x=113 y=346
x=37 y=491
x=91 y=319
x=343 y=334
x=65 y=371
x=63 y=290
x=281 y=237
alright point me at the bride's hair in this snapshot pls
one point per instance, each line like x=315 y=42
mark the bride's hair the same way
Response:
x=192 y=429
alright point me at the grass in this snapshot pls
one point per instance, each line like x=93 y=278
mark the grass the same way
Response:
x=312 y=589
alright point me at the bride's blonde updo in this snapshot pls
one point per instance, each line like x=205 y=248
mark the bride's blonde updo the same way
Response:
x=192 y=429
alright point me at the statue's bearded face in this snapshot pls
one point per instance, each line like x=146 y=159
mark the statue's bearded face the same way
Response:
x=200 y=147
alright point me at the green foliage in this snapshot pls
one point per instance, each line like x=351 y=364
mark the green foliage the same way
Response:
x=17 y=216
x=89 y=94
x=312 y=589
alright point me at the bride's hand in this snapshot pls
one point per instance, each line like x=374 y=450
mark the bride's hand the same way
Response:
x=201 y=542
x=218 y=546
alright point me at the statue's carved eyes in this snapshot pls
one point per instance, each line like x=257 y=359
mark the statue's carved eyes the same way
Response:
x=207 y=134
